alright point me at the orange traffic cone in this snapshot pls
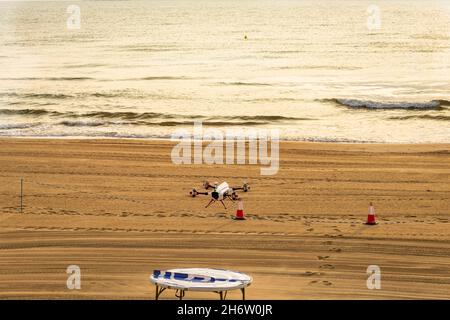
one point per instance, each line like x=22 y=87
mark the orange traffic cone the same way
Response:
x=371 y=215
x=240 y=211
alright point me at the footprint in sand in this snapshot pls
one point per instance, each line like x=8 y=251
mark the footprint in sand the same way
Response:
x=335 y=249
x=310 y=229
x=327 y=283
x=322 y=257
x=309 y=273
x=327 y=242
x=327 y=266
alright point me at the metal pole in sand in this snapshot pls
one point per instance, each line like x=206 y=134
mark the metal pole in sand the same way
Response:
x=21 y=195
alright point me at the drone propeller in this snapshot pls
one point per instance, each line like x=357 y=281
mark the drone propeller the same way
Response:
x=245 y=187
x=193 y=192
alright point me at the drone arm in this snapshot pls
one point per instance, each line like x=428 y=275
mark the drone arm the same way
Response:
x=245 y=187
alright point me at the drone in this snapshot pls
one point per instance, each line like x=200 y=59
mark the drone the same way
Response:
x=220 y=192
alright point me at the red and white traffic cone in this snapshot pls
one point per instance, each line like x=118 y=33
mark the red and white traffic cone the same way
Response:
x=371 y=215
x=240 y=211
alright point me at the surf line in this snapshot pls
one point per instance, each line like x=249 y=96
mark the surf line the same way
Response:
x=257 y=140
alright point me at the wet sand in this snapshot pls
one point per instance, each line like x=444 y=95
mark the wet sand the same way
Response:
x=120 y=208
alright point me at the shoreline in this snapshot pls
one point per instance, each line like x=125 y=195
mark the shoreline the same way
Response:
x=169 y=140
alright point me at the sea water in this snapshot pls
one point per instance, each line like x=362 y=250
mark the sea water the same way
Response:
x=315 y=70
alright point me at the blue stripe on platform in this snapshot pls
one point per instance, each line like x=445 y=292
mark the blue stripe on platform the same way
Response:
x=185 y=276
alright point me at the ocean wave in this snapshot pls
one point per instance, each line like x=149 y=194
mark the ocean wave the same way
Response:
x=423 y=117
x=95 y=114
x=162 y=78
x=90 y=135
x=211 y=123
x=125 y=115
x=31 y=112
x=316 y=67
x=18 y=126
x=368 y=104
x=273 y=100
x=157 y=123
x=50 y=79
x=240 y=83
x=264 y=118
x=128 y=115
x=113 y=94
x=85 y=65
x=443 y=102
x=330 y=140
x=36 y=95
x=150 y=48
x=82 y=123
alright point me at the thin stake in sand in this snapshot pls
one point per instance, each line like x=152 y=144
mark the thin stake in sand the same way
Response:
x=21 y=195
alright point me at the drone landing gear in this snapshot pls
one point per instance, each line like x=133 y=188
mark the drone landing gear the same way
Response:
x=212 y=200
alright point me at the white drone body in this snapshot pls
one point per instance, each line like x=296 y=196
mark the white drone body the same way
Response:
x=220 y=192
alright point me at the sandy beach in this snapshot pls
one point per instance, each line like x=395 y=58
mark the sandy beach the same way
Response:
x=120 y=208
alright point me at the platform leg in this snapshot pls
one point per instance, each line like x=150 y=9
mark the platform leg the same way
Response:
x=243 y=293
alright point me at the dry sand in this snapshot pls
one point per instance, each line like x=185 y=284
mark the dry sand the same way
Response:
x=120 y=208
